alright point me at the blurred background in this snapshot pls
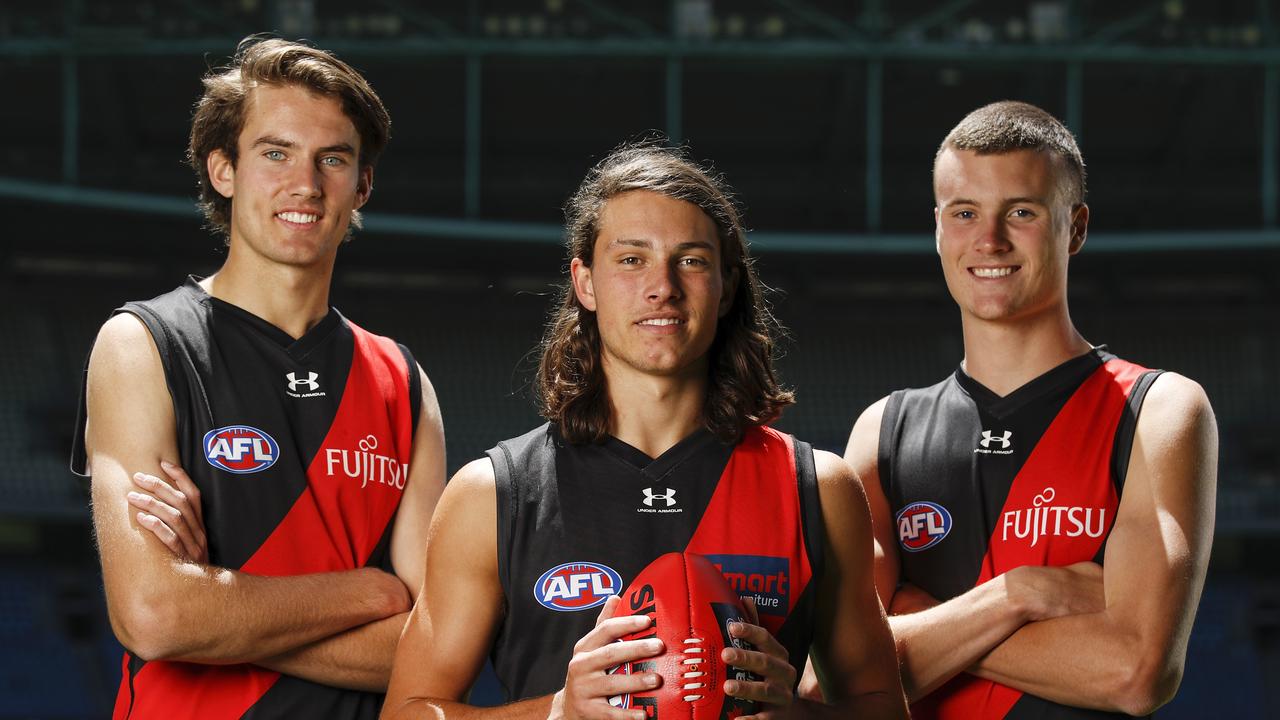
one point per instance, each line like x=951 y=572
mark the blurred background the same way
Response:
x=824 y=116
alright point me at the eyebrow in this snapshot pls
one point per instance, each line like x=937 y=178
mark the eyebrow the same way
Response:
x=1005 y=201
x=278 y=142
x=647 y=244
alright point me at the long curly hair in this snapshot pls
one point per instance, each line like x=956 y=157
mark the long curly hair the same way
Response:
x=743 y=388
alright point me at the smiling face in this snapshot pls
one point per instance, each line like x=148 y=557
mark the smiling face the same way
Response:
x=655 y=284
x=297 y=179
x=1005 y=232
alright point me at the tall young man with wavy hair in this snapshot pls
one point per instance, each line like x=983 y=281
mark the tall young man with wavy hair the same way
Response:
x=658 y=384
x=263 y=470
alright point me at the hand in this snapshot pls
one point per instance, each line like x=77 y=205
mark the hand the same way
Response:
x=1048 y=592
x=588 y=686
x=171 y=510
x=769 y=661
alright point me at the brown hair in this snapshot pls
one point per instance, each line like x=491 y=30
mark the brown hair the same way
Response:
x=1009 y=125
x=220 y=113
x=743 y=388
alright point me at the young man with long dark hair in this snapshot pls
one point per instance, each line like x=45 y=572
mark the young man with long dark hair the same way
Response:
x=657 y=382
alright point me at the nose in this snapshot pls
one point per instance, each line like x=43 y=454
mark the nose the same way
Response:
x=304 y=181
x=992 y=237
x=664 y=284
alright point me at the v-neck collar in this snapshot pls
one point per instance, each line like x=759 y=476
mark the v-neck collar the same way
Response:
x=653 y=468
x=1071 y=372
x=297 y=348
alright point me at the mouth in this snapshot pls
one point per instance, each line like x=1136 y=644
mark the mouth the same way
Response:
x=298 y=218
x=994 y=272
x=662 y=321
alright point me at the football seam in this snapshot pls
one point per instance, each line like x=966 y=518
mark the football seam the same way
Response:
x=688 y=584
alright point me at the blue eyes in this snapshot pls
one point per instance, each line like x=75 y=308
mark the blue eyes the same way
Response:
x=1019 y=213
x=327 y=161
x=685 y=261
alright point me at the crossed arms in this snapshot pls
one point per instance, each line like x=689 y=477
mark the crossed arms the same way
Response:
x=1111 y=637
x=336 y=628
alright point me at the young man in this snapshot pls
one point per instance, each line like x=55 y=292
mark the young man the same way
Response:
x=314 y=448
x=657 y=379
x=1043 y=516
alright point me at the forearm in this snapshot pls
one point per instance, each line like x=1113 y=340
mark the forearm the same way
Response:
x=211 y=615
x=357 y=659
x=940 y=642
x=1090 y=660
x=533 y=709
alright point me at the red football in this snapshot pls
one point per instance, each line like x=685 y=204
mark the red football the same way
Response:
x=691 y=605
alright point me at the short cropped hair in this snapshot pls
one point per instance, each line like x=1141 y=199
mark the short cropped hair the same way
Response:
x=220 y=113
x=1010 y=125
x=743 y=388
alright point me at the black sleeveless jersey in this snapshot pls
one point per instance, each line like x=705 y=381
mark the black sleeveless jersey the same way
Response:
x=576 y=523
x=980 y=484
x=301 y=451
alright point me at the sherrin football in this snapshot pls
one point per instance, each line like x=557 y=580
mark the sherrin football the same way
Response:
x=691 y=606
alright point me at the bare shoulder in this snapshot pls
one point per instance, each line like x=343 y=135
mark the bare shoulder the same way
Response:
x=843 y=499
x=869 y=420
x=863 y=450
x=474 y=478
x=833 y=470
x=1174 y=402
x=469 y=502
x=430 y=408
x=124 y=345
x=130 y=412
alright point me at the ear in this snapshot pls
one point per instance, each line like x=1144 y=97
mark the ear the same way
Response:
x=1079 y=229
x=364 y=187
x=937 y=230
x=582 y=285
x=730 y=291
x=222 y=173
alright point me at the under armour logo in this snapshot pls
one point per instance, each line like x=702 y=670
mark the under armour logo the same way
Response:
x=1004 y=440
x=650 y=496
x=308 y=382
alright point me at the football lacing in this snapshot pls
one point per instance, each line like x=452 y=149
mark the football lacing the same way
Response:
x=693 y=647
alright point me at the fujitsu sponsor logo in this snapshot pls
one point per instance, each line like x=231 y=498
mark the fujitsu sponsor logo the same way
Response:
x=1044 y=519
x=367 y=466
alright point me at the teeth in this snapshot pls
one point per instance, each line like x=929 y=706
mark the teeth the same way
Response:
x=992 y=272
x=297 y=217
x=662 y=321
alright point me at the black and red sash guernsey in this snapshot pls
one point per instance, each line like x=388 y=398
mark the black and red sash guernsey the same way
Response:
x=980 y=484
x=577 y=522
x=301 y=451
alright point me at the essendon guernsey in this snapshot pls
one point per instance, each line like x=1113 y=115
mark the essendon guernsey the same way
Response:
x=301 y=452
x=576 y=523
x=980 y=484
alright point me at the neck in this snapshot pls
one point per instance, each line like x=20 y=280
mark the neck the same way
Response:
x=1005 y=355
x=653 y=413
x=292 y=298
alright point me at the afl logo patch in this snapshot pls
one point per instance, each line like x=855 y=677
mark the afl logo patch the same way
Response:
x=240 y=449
x=922 y=525
x=576 y=586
